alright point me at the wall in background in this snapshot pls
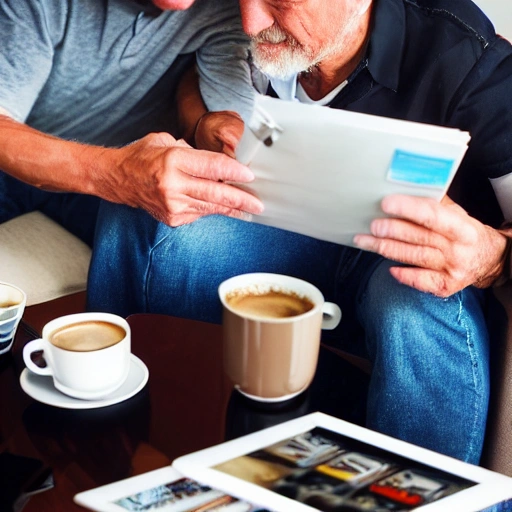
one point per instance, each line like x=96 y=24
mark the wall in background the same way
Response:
x=500 y=13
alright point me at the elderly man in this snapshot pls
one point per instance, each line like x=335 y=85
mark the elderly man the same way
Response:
x=421 y=320
x=80 y=80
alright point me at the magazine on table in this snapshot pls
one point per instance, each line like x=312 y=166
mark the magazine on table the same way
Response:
x=316 y=462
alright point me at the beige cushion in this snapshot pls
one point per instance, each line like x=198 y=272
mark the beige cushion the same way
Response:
x=42 y=258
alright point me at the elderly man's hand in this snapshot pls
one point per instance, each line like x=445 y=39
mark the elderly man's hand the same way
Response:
x=445 y=249
x=176 y=183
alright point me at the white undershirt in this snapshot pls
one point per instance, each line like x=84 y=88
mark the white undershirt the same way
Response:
x=290 y=89
x=303 y=97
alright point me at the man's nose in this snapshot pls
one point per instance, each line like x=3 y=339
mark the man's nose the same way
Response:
x=256 y=16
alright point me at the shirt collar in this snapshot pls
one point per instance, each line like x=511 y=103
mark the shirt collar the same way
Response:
x=387 y=42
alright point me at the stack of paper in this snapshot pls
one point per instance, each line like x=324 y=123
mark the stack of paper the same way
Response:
x=323 y=172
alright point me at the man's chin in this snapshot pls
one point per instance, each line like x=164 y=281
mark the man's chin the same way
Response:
x=279 y=70
x=283 y=64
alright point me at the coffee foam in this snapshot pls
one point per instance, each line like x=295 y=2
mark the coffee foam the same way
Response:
x=87 y=336
x=268 y=301
x=9 y=296
x=262 y=289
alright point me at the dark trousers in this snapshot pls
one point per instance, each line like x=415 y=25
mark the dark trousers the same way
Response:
x=76 y=212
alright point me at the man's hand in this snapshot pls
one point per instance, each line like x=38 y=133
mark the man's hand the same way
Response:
x=219 y=131
x=445 y=248
x=175 y=183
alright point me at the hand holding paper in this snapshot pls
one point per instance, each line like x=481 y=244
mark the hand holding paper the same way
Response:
x=445 y=249
x=374 y=183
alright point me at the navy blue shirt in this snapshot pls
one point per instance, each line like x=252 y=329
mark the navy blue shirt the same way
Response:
x=441 y=62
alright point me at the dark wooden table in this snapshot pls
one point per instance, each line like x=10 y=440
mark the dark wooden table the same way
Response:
x=187 y=405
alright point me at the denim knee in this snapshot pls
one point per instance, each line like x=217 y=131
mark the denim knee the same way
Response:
x=430 y=380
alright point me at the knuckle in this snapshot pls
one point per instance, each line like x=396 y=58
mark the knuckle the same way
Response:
x=384 y=247
x=152 y=138
x=158 y=138
x=171 y=157
x=442 y=287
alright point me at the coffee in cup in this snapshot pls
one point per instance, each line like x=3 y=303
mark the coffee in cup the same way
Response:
x=12 y=306
x=268 y=303
x=87 y=336
x=271 y=333
x=87 y=354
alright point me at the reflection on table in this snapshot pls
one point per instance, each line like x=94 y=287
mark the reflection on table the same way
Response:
x=187 y=405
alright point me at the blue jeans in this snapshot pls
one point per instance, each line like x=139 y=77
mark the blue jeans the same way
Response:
x=430 y=379
x=76 y=212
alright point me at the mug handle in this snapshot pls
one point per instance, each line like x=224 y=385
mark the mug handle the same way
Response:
x=331 y=316
x=30 y=347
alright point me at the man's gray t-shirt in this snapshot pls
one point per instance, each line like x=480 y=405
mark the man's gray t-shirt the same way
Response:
x=104 y=71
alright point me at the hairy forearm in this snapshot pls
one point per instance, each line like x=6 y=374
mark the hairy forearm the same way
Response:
x=171 y=181
x=48 y=162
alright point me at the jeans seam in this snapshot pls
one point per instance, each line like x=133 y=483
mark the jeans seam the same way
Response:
x=149 y=266
x=474 y=364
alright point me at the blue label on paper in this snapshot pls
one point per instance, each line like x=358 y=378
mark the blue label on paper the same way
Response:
x=422 y=170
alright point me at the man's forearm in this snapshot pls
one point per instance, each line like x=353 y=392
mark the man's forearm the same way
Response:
x=48 y=162
x=173 y=182
x=190 y=105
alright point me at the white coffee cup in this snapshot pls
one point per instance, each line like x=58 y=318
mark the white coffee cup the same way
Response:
x=87 y=354
x=272 y=326
x=12 y=306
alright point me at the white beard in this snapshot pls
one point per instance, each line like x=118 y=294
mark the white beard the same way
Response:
x=294 y=58
x=282 y=64
x=289 y=62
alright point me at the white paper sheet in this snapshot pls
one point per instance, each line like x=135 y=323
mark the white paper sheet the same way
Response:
x=323 y=172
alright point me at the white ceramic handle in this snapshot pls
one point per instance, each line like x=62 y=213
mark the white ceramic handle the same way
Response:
x=332 y=316
x=30 y=347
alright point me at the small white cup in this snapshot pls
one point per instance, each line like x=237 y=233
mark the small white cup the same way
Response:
x=12 y=306
x=88 y=374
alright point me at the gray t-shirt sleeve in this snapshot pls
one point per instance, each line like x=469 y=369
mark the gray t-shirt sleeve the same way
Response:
x=50 y=44
x=26 y=54
x=224 y=72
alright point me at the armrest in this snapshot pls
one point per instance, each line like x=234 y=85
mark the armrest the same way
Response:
x=498 y=449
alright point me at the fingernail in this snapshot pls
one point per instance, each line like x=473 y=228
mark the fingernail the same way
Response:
x=260 y=208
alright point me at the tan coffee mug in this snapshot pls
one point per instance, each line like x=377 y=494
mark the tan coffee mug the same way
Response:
x=86 y=354
x=272 y=326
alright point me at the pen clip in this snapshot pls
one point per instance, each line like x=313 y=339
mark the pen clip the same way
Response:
x=264 y=127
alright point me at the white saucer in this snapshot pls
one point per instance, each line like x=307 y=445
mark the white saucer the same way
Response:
x=41 y=388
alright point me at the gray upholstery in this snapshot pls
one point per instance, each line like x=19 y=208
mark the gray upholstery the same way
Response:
x=498 y=450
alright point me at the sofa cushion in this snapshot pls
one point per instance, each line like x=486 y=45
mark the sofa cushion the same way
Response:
x=42 y=258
